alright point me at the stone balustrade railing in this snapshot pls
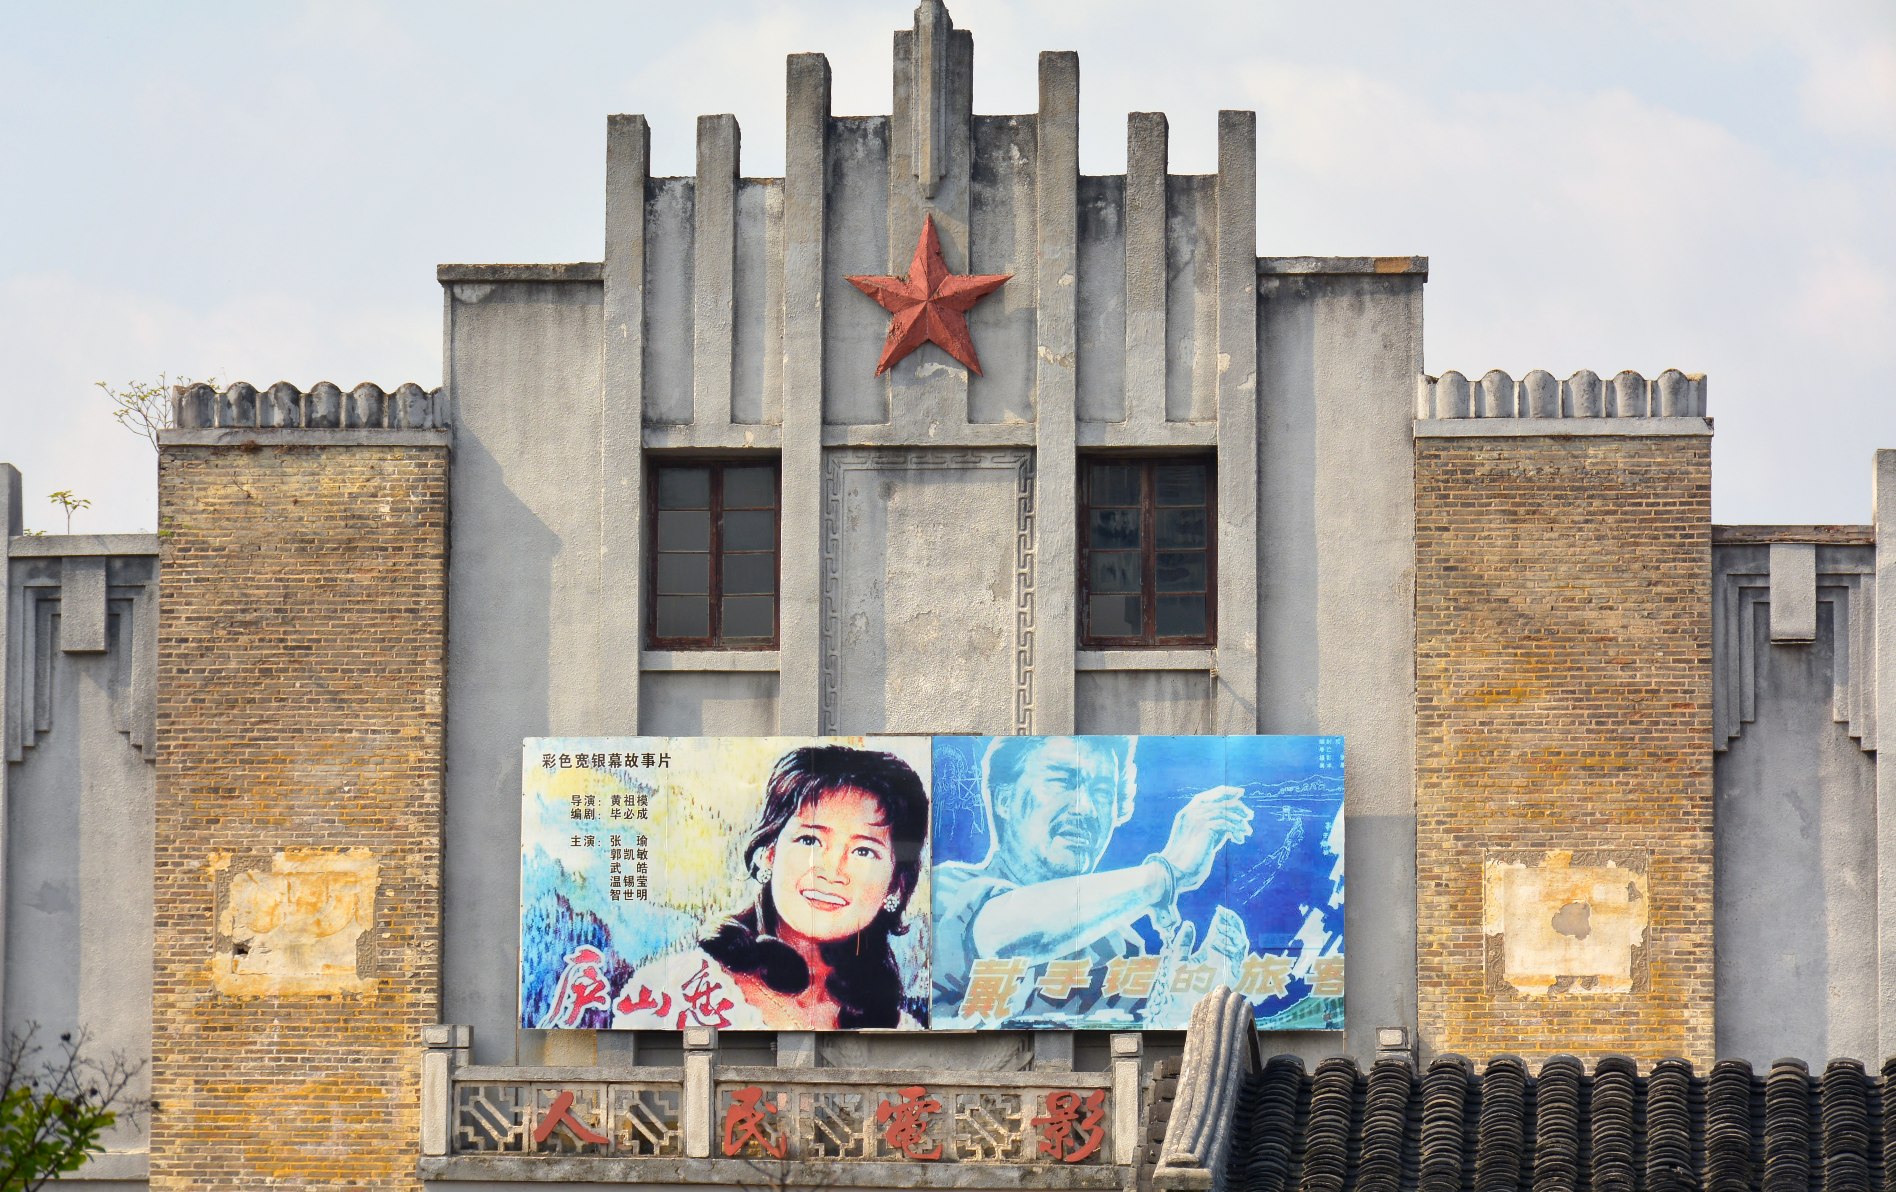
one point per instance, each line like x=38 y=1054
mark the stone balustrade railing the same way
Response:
x=707 y=1122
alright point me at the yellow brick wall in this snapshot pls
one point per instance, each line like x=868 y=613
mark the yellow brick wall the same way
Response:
x=302 y=649
x=1563 y=718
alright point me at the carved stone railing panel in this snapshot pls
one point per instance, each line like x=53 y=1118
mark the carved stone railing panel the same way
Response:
x=701 y=1122
x=623 y=1118
x=1060 y=1122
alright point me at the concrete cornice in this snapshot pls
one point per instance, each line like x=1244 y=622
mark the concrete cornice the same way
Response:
x=72 y=546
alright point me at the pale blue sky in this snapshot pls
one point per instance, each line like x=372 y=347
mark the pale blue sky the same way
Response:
x=262 y=191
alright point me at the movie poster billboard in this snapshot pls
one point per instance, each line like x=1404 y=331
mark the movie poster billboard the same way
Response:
x=904 y=883
x=742 y=883
x=1110 y=882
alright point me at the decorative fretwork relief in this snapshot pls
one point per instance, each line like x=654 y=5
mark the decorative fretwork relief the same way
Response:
x=1060 y=1125
x=1741 y=609
x=34 y=658
x=1034 y=1122
x=614 y=1118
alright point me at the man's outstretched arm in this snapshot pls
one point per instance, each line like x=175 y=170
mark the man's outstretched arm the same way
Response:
x=1059 y=917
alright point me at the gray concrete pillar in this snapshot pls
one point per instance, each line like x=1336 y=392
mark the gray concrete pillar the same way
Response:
x=445 y=1049
x=928 y=175
x=800 y=599
x=713 y=271
x=1235 y=706
x=621 y=463
x=1056 y=331
x=12 y=524
x=1884 y=503
x=1128 y=1079
x=700 y=1093
x=1146 y=212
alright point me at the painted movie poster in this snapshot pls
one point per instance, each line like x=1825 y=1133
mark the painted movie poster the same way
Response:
x=958 y=883
x=1110 y=882
x=741 y=883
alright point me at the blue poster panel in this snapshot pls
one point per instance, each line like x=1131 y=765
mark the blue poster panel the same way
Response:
x=741 y=883
x=1110 y=882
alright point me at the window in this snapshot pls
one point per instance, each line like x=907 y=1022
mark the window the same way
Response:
x=1147 y=568
x=714 y=555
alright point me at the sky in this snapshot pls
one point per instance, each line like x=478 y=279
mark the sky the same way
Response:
x=261 y=191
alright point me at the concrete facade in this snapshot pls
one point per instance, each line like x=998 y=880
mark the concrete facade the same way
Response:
x=1506 y=595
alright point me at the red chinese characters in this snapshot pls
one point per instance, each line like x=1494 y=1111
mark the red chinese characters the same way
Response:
x=905 y=1122
x=1071 y=1129
x=750 y=1118
x=561 y=1113
x=703 y=1006
x=660 y=1005
x=581 y=988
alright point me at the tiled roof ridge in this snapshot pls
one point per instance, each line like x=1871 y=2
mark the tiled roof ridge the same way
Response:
x=1244 y=1123
x=1451 y=1126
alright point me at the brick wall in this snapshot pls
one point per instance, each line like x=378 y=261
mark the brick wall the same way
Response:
x=1563 y=760
x=302 y=645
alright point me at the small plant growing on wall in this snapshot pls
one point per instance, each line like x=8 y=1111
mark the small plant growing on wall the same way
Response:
x=144 y=407
x=71 y=503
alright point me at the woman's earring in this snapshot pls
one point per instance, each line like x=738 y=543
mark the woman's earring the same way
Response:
x=763 y=876
x=891 y=904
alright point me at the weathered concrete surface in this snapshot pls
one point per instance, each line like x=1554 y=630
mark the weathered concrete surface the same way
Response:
x=1143 y=701
x=1795 y=902
x=76 y=797
x=887 y=518
x=1338 y=356
x=526 y=599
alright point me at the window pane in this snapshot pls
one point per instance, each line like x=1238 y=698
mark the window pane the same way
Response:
x=748 y=574
x=684 y=488
x=1181 y=616
x=749 y=617
x=750 y=487
x=684 y=616
x=1182 y=571
x=1113 y=616
x=1113 y=484
x=1179 y=484
x=1113 y=571
x=750 y=531
x=684 y=575
x=1181 y=528
x=690 y=530
x=1114 y=528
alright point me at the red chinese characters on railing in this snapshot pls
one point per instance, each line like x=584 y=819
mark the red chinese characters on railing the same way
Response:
x=905 y=1122
x=561 y=1112
x=750 y=1118
x=1071 y=1129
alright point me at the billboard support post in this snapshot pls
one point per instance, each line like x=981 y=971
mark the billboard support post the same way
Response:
x=701 y=1053
x=1128 y=1055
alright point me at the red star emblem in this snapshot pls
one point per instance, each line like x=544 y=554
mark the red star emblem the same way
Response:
x=930 y=304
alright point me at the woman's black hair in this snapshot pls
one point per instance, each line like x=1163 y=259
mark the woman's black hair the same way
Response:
x=864 y=980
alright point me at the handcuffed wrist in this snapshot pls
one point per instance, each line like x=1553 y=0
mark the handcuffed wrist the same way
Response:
x=1171 y=875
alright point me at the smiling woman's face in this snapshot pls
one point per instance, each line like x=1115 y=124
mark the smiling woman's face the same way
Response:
x=832 y=866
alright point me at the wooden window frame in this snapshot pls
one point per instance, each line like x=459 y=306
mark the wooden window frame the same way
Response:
x=1148 y=638
x=715 y=562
